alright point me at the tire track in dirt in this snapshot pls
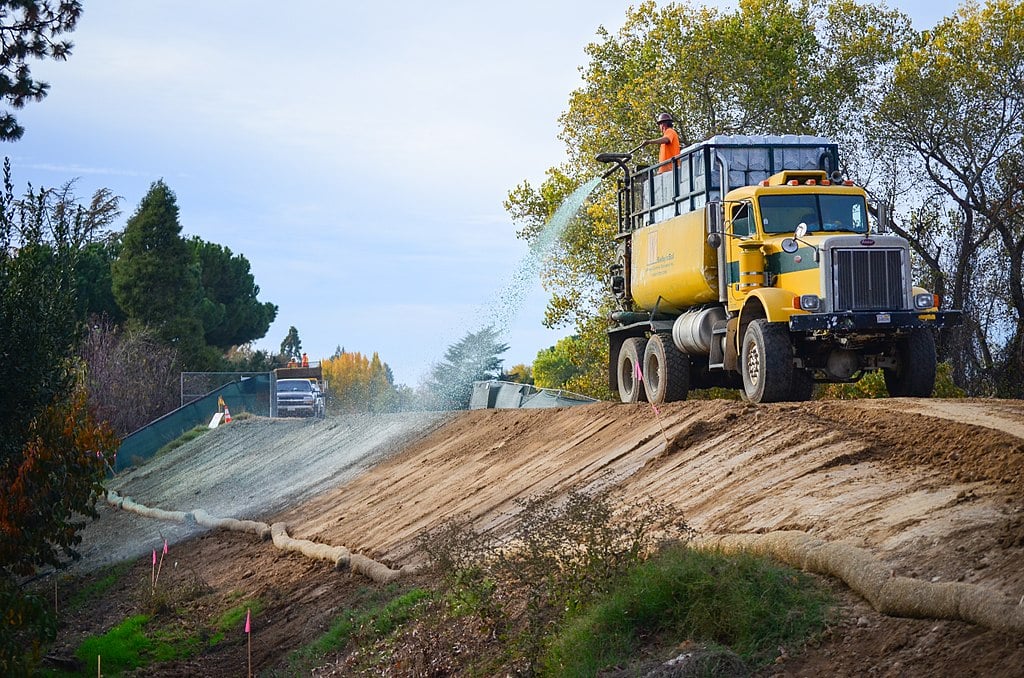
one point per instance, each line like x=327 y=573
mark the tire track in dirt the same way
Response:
x=891 y=479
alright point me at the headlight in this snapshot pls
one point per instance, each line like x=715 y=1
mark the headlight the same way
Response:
x=810 y=302
x=924 y=301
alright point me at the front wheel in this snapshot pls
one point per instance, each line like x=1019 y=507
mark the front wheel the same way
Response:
x=631 y=387
x=766 y=357
x=914 y=375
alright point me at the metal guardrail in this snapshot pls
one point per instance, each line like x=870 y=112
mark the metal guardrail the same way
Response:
x=497 y=394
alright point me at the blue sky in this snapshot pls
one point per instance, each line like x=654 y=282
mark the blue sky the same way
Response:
x=357 y=154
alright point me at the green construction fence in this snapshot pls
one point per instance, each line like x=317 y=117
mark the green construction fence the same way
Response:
x=249 y=394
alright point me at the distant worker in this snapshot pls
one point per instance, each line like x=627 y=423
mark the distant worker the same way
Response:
x=668 y=141
x=292 y=362
x=305 y=360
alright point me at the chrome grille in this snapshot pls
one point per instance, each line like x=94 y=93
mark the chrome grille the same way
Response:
x=867 y=279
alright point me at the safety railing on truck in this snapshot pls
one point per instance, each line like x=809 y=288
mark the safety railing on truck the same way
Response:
x=697 y=175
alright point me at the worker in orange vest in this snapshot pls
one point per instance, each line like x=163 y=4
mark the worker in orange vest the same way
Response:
x=305 y=360
x=668 y=142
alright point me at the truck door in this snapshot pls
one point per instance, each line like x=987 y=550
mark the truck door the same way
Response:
x=745 y=265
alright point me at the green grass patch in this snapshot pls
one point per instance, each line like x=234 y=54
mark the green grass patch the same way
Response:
x=137 y=642
x=185 y=437
x=233 y=620
x=746 y=603
x=376 y=620
x=127 y=646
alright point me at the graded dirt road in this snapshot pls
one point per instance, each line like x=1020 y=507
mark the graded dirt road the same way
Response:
x=934 y=489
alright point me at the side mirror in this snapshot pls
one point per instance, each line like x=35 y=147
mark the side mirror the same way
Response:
x=801 y=230
x=715 y=240
x=789 y=245
x=715 y=217
x=883 y=218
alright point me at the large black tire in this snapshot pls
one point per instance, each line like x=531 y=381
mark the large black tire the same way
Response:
x=914 y=375
x=666 y=370
x=631 y=389
x=802 y=388
x=766 y=359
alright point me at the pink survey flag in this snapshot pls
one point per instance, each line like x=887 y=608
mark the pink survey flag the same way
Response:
x=248 y=627
x=655 y=408
x=154 y=556
x=165 y=547
x=637 y=373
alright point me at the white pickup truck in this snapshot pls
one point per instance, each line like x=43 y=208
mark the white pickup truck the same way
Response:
x=299 y=397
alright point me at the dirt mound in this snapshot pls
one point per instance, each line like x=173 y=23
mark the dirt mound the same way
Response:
x=932 y=488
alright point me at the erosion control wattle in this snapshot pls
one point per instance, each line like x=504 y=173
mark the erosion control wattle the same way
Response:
x=339 y=556
x=887 y=593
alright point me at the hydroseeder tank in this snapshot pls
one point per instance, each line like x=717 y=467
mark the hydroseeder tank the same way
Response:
x=748 y=262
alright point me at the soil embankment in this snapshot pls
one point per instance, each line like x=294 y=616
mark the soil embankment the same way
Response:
x=934 y=489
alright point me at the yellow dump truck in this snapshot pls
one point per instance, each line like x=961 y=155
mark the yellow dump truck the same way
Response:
x=748 y=262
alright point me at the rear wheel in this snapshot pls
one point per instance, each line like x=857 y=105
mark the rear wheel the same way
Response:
x=631 y=389
x=767 y=362
x=666 y=370
x=914 y=375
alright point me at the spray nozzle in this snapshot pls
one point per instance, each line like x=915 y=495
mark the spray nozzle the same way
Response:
x=620 y=160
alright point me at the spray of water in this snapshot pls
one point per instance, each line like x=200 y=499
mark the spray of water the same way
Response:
x=504 y=306
x=508 y=300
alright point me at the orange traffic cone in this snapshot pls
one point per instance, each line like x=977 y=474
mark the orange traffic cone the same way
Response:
x=227 y=415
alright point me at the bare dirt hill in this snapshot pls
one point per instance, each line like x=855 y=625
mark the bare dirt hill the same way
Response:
x=932 y=488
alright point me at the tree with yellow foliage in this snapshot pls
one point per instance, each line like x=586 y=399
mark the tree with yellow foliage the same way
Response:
x=359 y=384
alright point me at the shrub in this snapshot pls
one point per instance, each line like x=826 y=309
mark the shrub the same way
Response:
x=561 y=554
x=745 y=602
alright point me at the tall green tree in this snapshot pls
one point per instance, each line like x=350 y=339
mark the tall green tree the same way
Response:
x=291 y=347
x=475 y=357
x=155 y=277
x=229 y=310
x=31 y=29
x=94 y=282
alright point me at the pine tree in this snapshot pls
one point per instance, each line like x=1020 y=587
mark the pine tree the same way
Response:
x=30 y=29
x=155 y=279
x=475 y=357
x=291 y=347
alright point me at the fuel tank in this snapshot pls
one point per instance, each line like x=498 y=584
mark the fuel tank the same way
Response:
x=673 y=261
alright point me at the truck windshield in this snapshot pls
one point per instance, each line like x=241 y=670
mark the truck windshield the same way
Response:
x=782 y=213
x=293 y=387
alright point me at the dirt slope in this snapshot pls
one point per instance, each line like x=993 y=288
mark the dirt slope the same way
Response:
x=916 y=482
x=933 y=488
